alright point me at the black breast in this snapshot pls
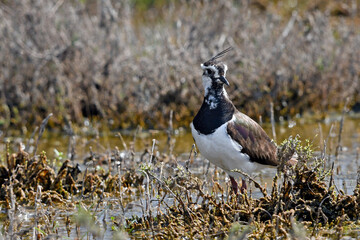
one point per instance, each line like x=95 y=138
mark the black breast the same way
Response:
x=207 y=120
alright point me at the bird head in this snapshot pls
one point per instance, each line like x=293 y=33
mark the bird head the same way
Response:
x=214 y=75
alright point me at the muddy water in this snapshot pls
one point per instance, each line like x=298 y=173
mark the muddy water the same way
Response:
x=181 y=141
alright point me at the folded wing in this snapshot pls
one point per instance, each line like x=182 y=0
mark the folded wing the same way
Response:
x=253 y=139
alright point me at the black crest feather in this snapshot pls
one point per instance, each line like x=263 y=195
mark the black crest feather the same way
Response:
x=217 y=56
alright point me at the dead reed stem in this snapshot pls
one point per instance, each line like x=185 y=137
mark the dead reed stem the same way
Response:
x=187 y=163
x=272 y=120
x=339 y=147
x=36 y=217
x=41 y=131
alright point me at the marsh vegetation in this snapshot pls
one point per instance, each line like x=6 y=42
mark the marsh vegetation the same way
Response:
x=148 y=190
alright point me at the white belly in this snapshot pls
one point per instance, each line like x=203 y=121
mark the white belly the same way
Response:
x=224 y=152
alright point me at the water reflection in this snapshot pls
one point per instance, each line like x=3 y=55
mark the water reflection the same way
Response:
x=58 y=145
x=181 y=140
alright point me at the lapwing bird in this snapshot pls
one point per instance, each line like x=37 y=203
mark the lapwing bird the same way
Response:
x=225 y=136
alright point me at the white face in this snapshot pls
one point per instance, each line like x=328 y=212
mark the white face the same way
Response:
x=206 y=79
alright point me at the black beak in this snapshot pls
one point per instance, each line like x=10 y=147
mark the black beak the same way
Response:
x=224 y=80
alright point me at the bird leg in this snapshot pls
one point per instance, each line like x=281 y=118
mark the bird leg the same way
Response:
x=243 y=185
x=234 y=185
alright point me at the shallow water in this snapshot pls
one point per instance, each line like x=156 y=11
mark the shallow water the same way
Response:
x=181 y=140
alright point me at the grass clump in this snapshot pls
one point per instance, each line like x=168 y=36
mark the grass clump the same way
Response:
x=302 y=201
x=173 y=202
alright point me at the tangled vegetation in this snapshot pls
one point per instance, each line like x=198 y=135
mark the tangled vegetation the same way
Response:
x=132 y=62
x=303 y=200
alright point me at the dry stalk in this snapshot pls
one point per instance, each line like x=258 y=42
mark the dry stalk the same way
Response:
x=187 y=163
x=326 y=143
x=170 y=129
x=31 y=139
x=178 y=198
x=322 y=214
x=36 y=217
x=137 y=131
x=321 y=142
x=41 y=131
x=11 y=212
x=120 y=190
x=339 y=147
x=272 y=120
x=152 y=151
x=122 y=141
x=147 y=194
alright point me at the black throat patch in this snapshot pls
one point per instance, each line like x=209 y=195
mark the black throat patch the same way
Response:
x=215 y=110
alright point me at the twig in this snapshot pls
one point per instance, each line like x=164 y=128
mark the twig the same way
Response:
x=56 y=6
x=8 y=162
x=170 y=129
x=30 y=139
x=323 y=155
x=71 y=149
x=172 y=193
x=332 y=182
x=11 y=212
x=339 y=147
x=272 y=120
x=152 y=151
x=326 y=143
x=101 y=198
x=207 y=168
x=357 y=155
x=120 y=192
x=41 y=131
x=331 y=175
x=37 y=200
x=122 y=140
x=280 y=41
x=138 y=129
x=358 y=177
x=321 y=137
x=187 y=163
x=72 y=140
x=147 y=193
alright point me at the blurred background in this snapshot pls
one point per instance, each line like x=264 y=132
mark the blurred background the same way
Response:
x=132 y=62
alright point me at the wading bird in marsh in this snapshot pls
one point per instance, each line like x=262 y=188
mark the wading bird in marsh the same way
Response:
x=225 y=136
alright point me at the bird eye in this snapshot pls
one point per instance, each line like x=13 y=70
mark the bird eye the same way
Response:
x=209 y=72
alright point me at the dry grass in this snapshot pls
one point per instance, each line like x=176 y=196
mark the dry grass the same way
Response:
x=110 y=61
